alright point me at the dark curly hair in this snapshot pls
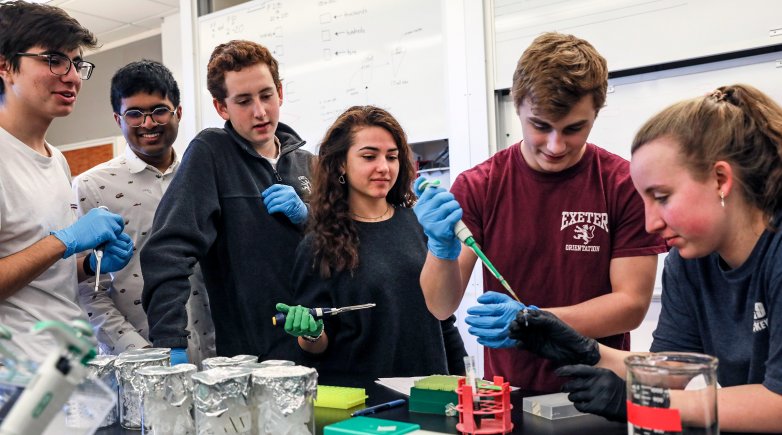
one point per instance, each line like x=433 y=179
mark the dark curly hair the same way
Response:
x=335 y=236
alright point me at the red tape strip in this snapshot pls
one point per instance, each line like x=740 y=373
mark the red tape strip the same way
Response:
x=665 y=419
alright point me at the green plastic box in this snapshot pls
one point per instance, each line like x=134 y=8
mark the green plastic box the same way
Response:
x=370 y=426
x=431 y=394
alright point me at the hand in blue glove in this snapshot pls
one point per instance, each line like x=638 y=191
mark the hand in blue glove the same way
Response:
x=281 y=198
x=438 y=212
x=94 y=228
x=178 y=355
x=299 y=321
x=491 y=320
x=116 y=254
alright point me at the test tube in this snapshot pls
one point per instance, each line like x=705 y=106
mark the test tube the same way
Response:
x=471 y=380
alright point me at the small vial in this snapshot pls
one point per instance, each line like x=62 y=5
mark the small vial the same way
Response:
x=471 y=380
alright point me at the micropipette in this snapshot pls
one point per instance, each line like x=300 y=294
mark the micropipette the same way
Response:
x=57 y=376
x=319 y=313
x=98 y=252
x=464 y=234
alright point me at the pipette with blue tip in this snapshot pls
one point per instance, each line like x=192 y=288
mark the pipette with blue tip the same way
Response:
x=463 y=233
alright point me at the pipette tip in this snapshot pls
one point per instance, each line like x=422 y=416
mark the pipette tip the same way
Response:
x=510 y=290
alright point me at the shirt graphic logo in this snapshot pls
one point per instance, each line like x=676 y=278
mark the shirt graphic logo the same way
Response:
x=585 y=232
x=761 y=320
x=305 y=184
x=584 y=225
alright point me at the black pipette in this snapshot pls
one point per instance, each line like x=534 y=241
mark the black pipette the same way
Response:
x=319 y=313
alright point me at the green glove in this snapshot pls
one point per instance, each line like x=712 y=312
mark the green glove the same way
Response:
x=299 y=322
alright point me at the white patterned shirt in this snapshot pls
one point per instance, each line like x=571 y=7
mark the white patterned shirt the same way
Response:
x=131 y=188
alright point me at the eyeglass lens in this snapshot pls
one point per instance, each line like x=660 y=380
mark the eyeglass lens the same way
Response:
x=160 y=116
x=60 y=65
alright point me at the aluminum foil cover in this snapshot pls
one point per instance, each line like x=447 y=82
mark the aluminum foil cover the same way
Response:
x=148 y=351
x=212 y=388
x=128 y=362
x=276 y=362
x=171 y=384
x=290 y=387
x=224 y=361
x=102 y=367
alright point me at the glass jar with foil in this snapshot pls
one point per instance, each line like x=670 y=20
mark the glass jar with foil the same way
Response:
x=126 y=365
x=222 y=401
x=672 y=393
x=284 y=400
x=102 y=368
x=167 y=400
x=225 y=361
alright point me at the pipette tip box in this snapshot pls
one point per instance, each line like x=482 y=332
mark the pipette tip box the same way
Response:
x=339 y=397
x=432 y=394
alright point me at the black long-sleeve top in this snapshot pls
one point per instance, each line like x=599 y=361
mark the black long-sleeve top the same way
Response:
x=399 y=337
x=213 y=213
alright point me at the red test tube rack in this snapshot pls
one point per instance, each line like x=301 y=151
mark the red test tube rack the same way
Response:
x=492 y=412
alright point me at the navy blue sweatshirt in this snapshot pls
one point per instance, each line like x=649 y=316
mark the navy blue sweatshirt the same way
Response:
x=213 y=213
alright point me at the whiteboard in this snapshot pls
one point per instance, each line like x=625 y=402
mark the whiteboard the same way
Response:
x=635 y=33
x=633 y=100
x=337 y=53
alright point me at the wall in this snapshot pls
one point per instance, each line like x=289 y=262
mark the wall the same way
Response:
x=92 y=118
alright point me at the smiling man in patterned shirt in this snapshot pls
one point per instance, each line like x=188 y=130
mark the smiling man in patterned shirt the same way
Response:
x=145 y=101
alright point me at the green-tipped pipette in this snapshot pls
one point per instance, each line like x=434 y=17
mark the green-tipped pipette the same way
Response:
x=464 y=234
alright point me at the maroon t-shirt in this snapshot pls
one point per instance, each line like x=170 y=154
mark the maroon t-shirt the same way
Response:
x=552 y=236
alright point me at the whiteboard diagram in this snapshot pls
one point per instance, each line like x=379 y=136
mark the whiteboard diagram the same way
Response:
x=337 y=53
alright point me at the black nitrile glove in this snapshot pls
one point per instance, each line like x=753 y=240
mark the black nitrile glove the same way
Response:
x=542 y=333
x=596 y=391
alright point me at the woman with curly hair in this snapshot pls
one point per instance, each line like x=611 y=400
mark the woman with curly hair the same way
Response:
x=364 y=245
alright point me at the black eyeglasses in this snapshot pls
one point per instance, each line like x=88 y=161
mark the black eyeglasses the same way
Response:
x=160 y=116
x=60 y=65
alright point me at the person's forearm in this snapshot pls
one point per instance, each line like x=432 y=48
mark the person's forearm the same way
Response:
x=748 y=408
x=316 y=347
x=614 y=360
x=19 y=269
x=443 y=286
x=81 y=275
x=606 y=315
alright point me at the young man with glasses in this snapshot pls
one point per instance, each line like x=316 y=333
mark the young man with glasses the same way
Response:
x=236 y=208
x=145 y=101
x=41 y=72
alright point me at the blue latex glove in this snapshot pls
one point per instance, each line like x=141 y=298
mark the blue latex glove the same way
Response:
x=491 y=320
x=281 y=198
x=94 y=228
x=178 y=356
x=116 y=254
x=299 y=321
x=438 y=212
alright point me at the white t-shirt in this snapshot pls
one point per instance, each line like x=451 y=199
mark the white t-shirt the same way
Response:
x=35 y=199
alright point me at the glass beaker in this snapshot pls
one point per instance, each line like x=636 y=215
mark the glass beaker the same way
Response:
x=672 y=393
x=283 y=397
x=167 y=400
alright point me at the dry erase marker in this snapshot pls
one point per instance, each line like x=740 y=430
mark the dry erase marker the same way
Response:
x=378 y=408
